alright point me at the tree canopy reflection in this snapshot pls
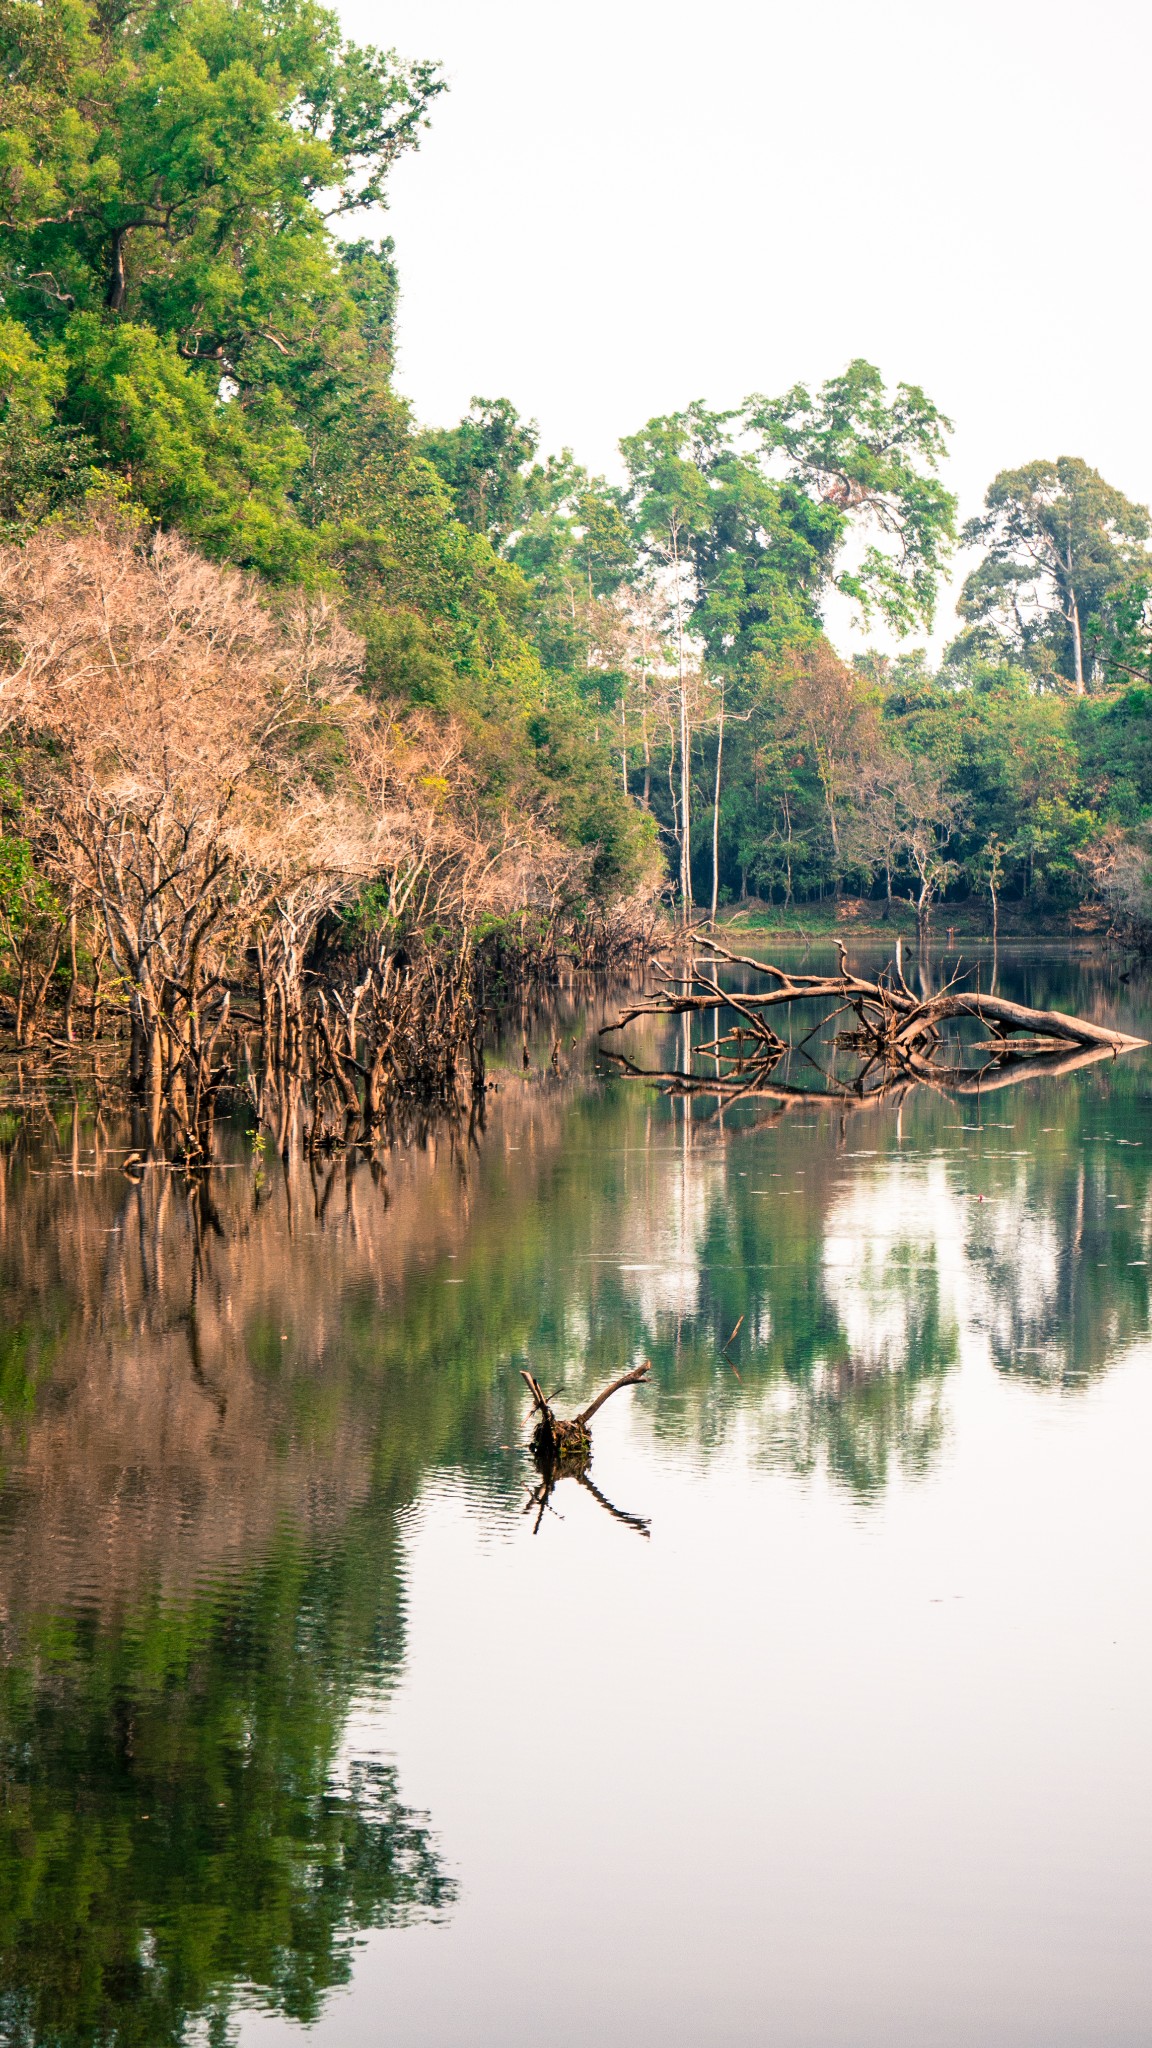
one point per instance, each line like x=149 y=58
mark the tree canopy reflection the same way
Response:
x=172 y=1824
x=221 y=1395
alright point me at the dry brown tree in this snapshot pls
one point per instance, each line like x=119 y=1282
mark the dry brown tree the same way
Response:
x=899 y=1039
x=207 y=784
x=166 y=704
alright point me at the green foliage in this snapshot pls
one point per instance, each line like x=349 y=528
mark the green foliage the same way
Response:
x=165 y=180
x=1122 y=644
x=166 y=164
x=480 y=461
x=1064 y=559
x=574 y=546
x=45 y=463
x=873 y=459
x=757 y=553
x=591 y=810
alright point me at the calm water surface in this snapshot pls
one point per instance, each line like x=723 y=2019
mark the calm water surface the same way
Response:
x=823 y=1720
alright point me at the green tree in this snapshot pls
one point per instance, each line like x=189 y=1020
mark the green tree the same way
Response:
x=481 y=461
x=743 y=520
x=178 y=165
x=670 y=504
x=874 y=461
x=167 y=180
x=1063 y=551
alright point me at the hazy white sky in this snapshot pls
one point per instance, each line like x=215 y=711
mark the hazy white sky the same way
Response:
x=627 y=205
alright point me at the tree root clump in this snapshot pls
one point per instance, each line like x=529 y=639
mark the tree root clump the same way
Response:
x=562 y=1444
x=561 y=1448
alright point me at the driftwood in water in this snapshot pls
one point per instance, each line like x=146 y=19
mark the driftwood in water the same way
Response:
x=897 y=1036
x=562 y=1447
x=565 y=1441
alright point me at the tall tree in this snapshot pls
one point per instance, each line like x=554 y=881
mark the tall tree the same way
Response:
x=874 y=461
x=670 y=500
x=1062 y=552
x=168 y=180
x=744 y=518
x=482 y=462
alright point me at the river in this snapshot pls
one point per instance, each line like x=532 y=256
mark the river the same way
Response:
x=819 y=1717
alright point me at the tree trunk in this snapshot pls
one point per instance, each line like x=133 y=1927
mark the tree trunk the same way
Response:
x=1077 y=644
x=685 y=761
x=924 y=910
x=21 y=995
x=136 y=1047
x=685 y=810
x=647 y=745
x=117 y=275
x=1074 y=621
x=154 y=1078
x=716 y=813
x=99 y=952
x=70 y=998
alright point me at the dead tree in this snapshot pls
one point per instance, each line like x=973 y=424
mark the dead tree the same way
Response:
x=897 y=1036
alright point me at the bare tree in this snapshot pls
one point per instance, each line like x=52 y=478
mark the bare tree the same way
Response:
x=208 y=789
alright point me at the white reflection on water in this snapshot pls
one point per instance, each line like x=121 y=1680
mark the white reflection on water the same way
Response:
x=889 y=1231
x=789 y=1772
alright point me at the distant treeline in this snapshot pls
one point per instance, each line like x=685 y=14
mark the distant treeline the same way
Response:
x=631 y=681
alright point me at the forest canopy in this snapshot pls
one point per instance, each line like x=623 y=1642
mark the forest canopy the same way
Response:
x=197 y=318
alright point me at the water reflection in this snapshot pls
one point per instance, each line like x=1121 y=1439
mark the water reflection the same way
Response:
x=540 y=1498
x=171 y=1823
x=220 y=1396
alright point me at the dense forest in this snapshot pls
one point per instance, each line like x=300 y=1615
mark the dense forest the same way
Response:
x=283 y=668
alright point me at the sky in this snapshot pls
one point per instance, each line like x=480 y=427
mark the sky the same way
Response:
x=624 y=206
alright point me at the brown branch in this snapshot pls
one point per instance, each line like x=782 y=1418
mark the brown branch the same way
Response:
x=918 y=1018
x=637 y=1377
x=536 y=1391
x=1049 y=1023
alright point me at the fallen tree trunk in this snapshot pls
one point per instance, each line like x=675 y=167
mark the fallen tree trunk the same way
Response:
x=898 y=1032
x=1052 y=1024
x=1051 y=1066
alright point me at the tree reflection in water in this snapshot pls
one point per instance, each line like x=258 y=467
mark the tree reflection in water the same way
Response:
x=220 y=1396
x=172 y=1826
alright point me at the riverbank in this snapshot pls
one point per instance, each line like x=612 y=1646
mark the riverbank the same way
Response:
x=864 y=918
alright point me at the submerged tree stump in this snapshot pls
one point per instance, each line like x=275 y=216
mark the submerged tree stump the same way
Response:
x=562 y=1444
x=562 y=1447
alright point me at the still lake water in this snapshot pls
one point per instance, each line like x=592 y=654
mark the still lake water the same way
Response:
x=824 y=1720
